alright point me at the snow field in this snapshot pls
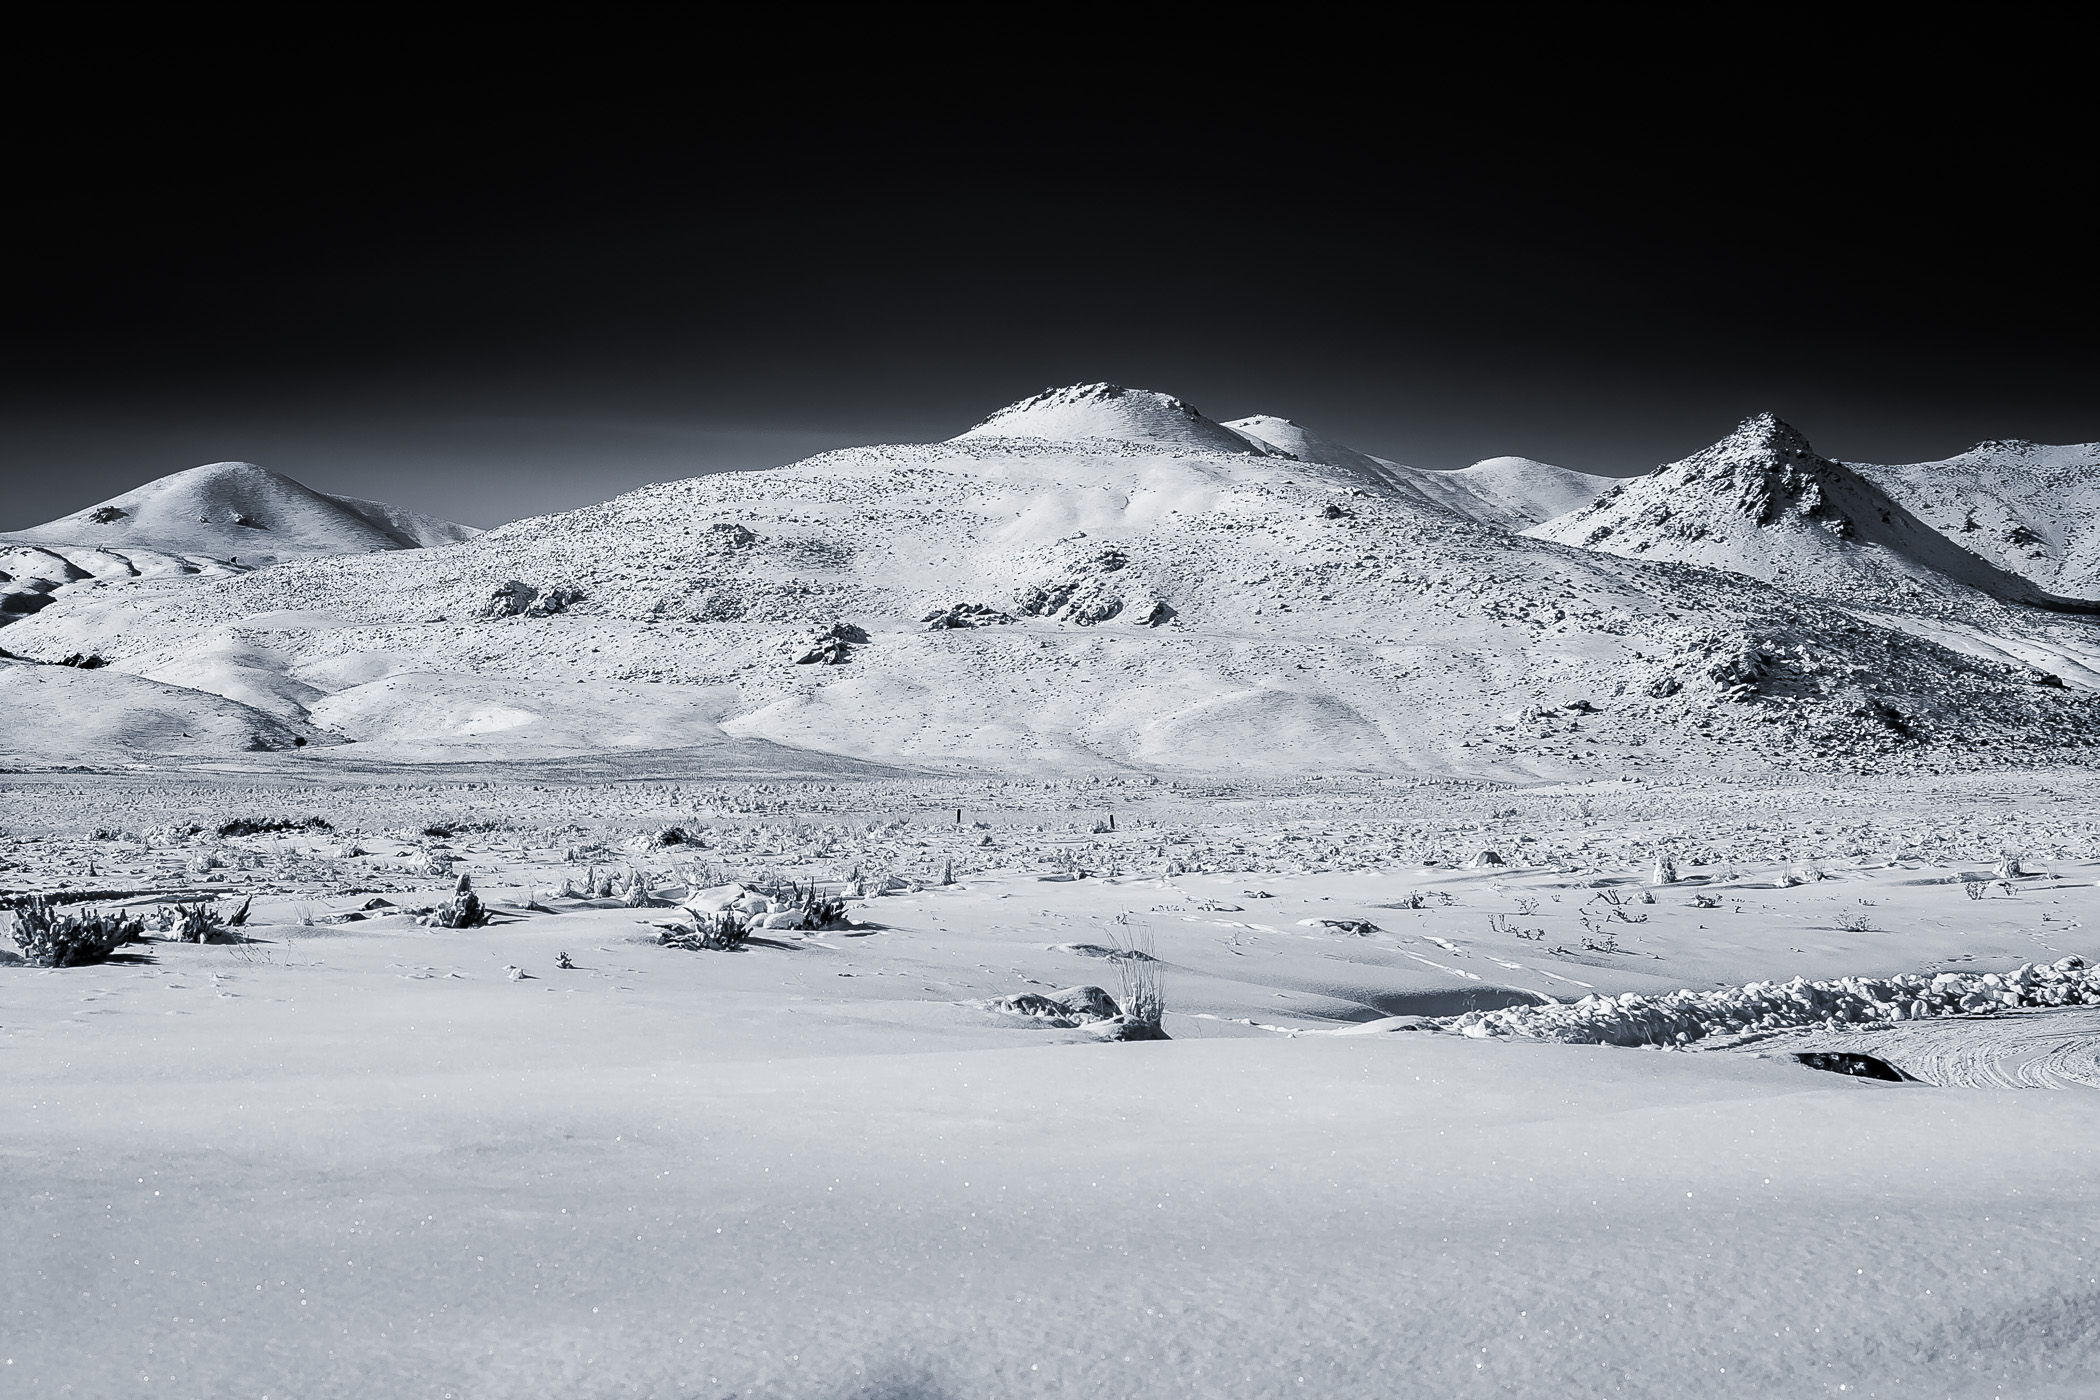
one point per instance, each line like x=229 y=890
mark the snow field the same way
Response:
x=818 y=1168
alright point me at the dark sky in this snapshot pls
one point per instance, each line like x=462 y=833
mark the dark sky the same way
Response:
x=495 y=299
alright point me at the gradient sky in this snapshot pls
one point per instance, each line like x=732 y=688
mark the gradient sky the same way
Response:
x=518 y=299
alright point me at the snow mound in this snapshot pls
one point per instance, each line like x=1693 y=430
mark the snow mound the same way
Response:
x=1685 y=1016
x=240 y=511
x=2031 y=508
x=1082 y=411
x=1762 y=503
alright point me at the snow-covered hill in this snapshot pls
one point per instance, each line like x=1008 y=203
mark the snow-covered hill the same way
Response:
x=218 y=519
x=239 y=511
x=1513 y=493
x=1080 y=412
x=2030 y=508
x=1014 y=601
x=1509 y=493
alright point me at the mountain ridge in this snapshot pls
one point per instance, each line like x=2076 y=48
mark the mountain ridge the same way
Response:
x=1763 y=503
x=1021 y=602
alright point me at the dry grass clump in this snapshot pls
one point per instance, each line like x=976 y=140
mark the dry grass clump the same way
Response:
x=1144 y=998
x=49 y=938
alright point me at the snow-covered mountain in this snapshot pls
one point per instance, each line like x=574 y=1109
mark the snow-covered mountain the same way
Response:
x=1762 y=503
x=2030 y=508
x=1509 y=493
x=1123 y=584
x=221 y=518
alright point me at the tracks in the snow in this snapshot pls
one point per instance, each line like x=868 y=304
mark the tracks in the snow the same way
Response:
x=2057 y=1048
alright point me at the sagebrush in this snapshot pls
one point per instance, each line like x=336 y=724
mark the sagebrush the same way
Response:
x=49 y=937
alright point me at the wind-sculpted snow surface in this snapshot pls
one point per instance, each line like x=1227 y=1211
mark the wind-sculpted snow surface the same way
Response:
x=1175 y=608
x=1681 y=1017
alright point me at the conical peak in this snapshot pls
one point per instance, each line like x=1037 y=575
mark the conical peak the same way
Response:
x=1766 y=433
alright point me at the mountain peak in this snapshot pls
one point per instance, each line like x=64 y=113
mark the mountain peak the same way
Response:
x=1079 y=411
x=1762 y=434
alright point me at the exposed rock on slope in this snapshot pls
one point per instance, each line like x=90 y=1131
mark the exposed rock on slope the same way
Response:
x=1177 y=607
x=1762 y=503
x=2028 y=507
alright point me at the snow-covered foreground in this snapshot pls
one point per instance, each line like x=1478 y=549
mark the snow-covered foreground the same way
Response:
x=516 y=1215
x=360 y=1158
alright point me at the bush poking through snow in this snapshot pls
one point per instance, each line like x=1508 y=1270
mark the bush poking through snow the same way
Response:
x=49 y=938
x=1144 y=999
x=721 y=933
x=202 y=923
x=463 y=910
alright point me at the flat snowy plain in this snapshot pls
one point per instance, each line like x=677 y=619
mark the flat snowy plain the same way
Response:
x=359 y=1158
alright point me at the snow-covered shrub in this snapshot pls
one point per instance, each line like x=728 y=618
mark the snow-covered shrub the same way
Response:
x=49 y=938
x=463 y=910
x=202 y=923
x=720 y=932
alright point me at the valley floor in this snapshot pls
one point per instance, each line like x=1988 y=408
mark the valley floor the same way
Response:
x=357 y=1157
